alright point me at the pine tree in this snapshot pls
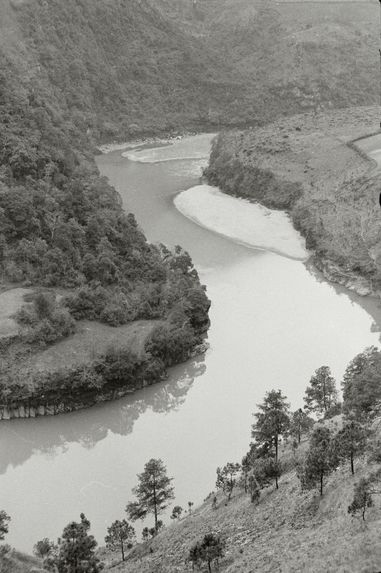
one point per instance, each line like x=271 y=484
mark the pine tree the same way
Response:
x=119 y=535
x=153 y=491
x=76 y=550
x=320 y=460
x=209 y=550
x=272 y=422
x=362 y=498
x=350 y=441
x=321 y=394
x=300 y=424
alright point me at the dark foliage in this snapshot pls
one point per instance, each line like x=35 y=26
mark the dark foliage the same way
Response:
x=208 y=551
x=362 y=498
x=321 y=460
x=75 y=550
x=272 y=423
x=361 y=384
x=4 y=521
x=350 y=442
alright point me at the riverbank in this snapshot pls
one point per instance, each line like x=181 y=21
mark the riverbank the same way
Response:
x=66 y=350
x=309 y=166
x=248 y=224
x=109 y=377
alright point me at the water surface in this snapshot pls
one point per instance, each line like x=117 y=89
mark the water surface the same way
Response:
x=273 y=324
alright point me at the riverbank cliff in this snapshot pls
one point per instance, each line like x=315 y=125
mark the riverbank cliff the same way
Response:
x=311 y=166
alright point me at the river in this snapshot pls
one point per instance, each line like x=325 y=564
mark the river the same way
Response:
x=273 y=322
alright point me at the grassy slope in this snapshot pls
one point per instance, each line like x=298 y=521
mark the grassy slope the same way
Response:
x=289 y=531
x=10 y=302
x=337 y=211
x=16 y=562
x=91 y=340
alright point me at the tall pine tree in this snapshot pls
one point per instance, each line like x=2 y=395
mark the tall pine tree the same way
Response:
x=321 y=393
x=272 y=422
x=153 y=491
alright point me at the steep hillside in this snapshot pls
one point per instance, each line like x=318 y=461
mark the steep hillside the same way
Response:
x=12 y=561
x=289 y=531
x=63 y=230
x=308 y=166
x=129 y=67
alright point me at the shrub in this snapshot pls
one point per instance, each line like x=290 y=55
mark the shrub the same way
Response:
x=362 y=498
x=44 y=321
x=208 y=551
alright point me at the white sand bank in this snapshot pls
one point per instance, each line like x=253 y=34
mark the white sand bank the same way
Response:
x=247 y=223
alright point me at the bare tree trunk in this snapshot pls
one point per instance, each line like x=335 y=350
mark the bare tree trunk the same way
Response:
x=352 y=464
x=155 y=505
x=321 y=482
x=276 y=460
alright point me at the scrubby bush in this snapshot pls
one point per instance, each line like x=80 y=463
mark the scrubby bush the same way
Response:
x=171 y=343
x=210 y=550
x=43 y=547
x=227 y=478
x=362 y=498
x=44 y=321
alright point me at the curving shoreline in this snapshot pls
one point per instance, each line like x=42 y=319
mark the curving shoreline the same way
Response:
x=248 y=224
x=318 y=171
x=39 y=403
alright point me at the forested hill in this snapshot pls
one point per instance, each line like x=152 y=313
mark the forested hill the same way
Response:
x=62 y=227
x=128 y=67
x=78 y=72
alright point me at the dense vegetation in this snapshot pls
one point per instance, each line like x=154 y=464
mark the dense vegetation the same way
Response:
x=137 y=67
x=62 y=228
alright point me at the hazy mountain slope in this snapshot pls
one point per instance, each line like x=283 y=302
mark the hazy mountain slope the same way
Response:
x=129 y=66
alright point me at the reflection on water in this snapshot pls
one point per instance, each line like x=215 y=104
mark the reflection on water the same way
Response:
x=52 y=436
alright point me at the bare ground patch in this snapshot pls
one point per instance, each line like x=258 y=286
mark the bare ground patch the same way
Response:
x=10 y=302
